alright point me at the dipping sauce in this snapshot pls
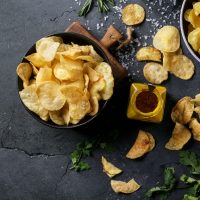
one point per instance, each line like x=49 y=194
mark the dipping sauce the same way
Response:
x=146 y=101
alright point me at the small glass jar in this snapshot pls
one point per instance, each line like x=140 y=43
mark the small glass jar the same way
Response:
x=158 y=95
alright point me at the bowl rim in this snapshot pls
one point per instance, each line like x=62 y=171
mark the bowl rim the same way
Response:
x=91 y=118
x=183 y=32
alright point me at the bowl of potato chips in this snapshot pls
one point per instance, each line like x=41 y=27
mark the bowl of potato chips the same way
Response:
x=65 y=80
x=190 y=26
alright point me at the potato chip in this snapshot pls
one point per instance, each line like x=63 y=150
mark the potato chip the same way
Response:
x=125 y=187
x=194 y=20
x=195 y=126
x=109 y=168
x=181 y=66
x=31 y=101
x=186 y=15
x=133 y=14
x=196 y=8
x=50 y=96
x=97 y=87
x=74 y=121
x=180 y=136
x=97 y=58
x=167 y=39
x=66 y=114
x=34 y=68
x=32 y=82
x=190 y=28
x=193 y=39
x=141 y=146
x=78 y=102
x=57 y=117
x=86 y=58
x=86 y=80
x=44 y=74
x=94 y=105
x=24 y=71
x=152 y=142
x=148 y=53
x=37 y=60
x=92 y=74
x=105 y=69
x=183 y=111
x=155 y=73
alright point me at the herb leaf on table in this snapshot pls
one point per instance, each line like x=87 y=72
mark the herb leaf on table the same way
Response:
x=169 y=184
x=190 y=159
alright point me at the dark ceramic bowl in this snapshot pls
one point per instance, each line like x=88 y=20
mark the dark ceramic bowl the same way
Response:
x=77 y=39
x=187 y=4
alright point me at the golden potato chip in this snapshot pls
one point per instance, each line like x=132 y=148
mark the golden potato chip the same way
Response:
x=133 y=14
x=86 y=80
x=86 y=58
x=193 y=39
x=125 y=187
x=32 y=82
x=50 y=95
x=78 y=102
x=181 y=66
x=96 y=88
x=94 y=105
x=195 y=126
x=183 y=111
x=196 y=8
x=167 y=39
x=109 y=168
x=34 y=68
x=74 y=121
x=105 y=70
x=24 y=71
x=152 y=142
x=37 y=60
x=95 y=55
x=92 y=74
x=155 y=73
x=148 y=53
x=141 y=146
x=44 y=74
x=57 y=117
x=31 y=101
x=66 y=114
x=180 y=136
x=186 y=15
x=194 y=20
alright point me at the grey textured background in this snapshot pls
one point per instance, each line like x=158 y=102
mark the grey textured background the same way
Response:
x=34 y=159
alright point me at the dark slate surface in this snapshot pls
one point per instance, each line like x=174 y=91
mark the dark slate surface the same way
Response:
x=34 y=158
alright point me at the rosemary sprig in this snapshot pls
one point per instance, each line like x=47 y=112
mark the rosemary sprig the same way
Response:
x=103 y=6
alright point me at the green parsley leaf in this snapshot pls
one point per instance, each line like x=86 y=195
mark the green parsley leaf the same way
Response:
x=189 y=197
x=190 y=159
x=169 y=184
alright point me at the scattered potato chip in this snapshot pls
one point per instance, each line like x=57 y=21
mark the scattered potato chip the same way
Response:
x=109 y=168
x=180 y=136
x=125 y=187
x=133 y=14
x=193 y=39
x=31 y=101
x=186 y=15
x=194 y=20
x=181 y=66
x=37 y=60
x=141 y=146
x=155 y=73
x=105 y=69
x=195 y=126
x=24 y=71
x=148 y=53
x=50 y=96
x=152 y=142
x=183 y=111
x=196 y=8
x=167 y=39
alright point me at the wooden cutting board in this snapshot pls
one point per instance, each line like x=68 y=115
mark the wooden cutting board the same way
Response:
x=111 y=37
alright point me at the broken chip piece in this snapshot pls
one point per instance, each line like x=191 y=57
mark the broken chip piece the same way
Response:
x=180 y=136
x=109 y=168
x=195 y=126
x=125 y=187
x=144 y=143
